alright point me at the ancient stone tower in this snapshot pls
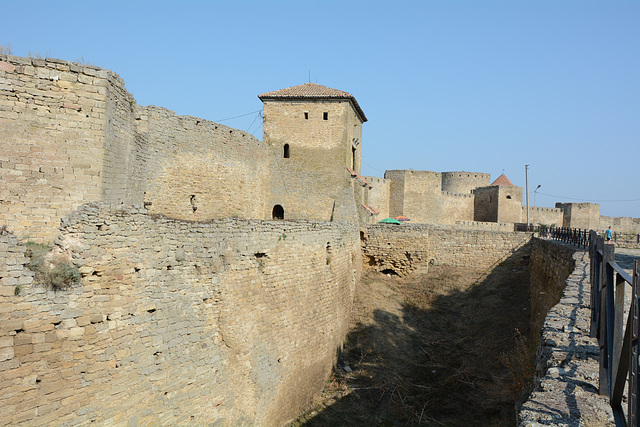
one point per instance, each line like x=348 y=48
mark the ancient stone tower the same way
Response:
x=499 y=202
x=315 y=133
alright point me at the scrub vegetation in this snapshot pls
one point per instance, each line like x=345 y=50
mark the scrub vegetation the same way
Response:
x=449 y=347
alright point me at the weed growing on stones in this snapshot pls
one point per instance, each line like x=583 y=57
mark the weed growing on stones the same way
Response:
x=52 y=271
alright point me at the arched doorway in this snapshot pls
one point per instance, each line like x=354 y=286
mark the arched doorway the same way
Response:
x=278 y=212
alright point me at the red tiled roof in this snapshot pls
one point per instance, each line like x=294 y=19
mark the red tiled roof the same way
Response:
x=313 y=91
x=502 y=180
x=371 y=210
x=360 y=178
x=364 y=181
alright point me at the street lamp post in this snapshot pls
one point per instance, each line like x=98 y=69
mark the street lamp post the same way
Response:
x=535 y=193
x=526 y=175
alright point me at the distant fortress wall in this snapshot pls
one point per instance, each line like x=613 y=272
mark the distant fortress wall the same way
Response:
x=620 y=224
x=415 y=194
x=456 y=207
x=545 y=216
x=379 y=195
x=464 y=182
x=580 y=215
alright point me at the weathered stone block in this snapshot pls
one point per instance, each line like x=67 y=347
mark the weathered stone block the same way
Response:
x=6 y=353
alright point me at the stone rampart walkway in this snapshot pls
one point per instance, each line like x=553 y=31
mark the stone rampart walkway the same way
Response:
x=567 y=365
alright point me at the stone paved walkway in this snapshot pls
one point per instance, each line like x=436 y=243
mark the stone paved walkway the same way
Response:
x=567 y=394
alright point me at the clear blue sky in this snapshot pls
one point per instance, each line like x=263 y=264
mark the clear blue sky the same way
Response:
x=481 y=86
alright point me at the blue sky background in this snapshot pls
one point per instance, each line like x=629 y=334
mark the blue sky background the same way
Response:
x=480 y=86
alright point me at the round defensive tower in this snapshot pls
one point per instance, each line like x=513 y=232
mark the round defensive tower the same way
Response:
x=464 y=182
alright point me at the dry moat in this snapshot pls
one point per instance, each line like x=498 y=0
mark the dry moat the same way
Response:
x=448 y=347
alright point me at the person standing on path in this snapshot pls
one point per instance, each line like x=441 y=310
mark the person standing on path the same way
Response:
x=608 y=234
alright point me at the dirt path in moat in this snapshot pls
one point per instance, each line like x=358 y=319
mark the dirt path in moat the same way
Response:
x=436 y=349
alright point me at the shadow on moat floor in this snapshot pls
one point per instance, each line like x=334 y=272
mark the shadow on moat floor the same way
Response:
x=433 y=350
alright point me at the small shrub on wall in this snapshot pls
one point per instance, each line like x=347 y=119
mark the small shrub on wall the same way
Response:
x=51 y=270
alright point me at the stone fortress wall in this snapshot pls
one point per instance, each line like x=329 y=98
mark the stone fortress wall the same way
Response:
x=182 y=276
x=379 y=195
x=467 y=199
x=580 y=215
x=414 y=247
x=190 y=162
x=231 y=321
x=546 y=216
x=464 y=182
x=174 y=307
x=74 y=134
x=53 y=133
x=620 y=224
x=449 y=197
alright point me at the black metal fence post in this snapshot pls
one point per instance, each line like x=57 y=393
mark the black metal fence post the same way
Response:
x=634 y=402
x=594 y=272
x=617 y=334
x=606 y=318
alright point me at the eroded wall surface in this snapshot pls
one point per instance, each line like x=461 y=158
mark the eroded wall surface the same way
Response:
x=403 y=249
x=232 y=321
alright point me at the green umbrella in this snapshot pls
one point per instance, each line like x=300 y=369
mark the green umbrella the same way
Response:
x=390 y=221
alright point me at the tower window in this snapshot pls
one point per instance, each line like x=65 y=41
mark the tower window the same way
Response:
x=325 y=116
x=353 y=158
x=306 y=115
x=286 y=151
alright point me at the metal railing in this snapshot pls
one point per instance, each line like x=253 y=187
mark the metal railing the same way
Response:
x=574 y=236
x=617 y=338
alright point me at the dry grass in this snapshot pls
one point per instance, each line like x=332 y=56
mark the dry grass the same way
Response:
x=51 y=269
x=433 y=350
